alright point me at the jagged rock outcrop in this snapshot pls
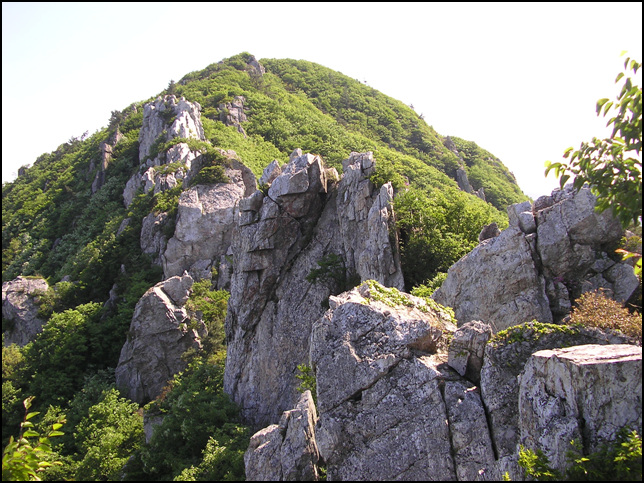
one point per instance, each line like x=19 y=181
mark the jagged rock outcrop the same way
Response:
x=20 y=304
x=232 y=113
x=206 y=217
x=164 y=119
x=286 y=451
x=394 y=401
x=464 y=184
x=530 y=271
x=467 y=349
x=106 y=150
x=280 y=238
x=178 y=117
x=461 y=175
x=584 y=393
x=504 y=360
x=153 y=239
x=254 y=67
x=381 y=389
x=272 y=171
x=390 y=407
x=498 y=283
x=367 y=223
x=160 y=332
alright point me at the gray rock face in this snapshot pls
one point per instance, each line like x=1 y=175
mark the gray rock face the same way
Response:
x=366 y=222
x=159 y=334
x=390 y=408
x=385 y=396
x=505 y=359
x=467 y=349
x=286 y=451
x=153 y=241
x=463 y=181
x=527 y=271
x=395 y=402
x=232 y=113
x=106 y=149
x=272 y=171
x=20 y=298
x=178 y=117
x=586 y=393
x=206 y=217
x=279 y=240
x=271 y=307
x=165 y=119
x=497 y=283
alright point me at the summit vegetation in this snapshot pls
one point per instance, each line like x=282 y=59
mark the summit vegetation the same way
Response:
x=57 y=227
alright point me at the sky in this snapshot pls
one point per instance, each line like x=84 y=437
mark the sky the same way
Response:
x=521 y=80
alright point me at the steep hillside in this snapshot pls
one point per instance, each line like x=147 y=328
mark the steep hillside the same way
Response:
x=111 y=221
x=55 y=218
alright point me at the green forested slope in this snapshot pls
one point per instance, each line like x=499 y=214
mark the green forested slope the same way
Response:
x=53 y=226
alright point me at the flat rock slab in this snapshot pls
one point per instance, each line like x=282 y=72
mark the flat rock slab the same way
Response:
x=585 y=393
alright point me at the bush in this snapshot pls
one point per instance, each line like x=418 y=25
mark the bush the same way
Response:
x=59 y=355
x=595 y=309
x=211 y=306
x=437 y=230
x=194 y=409
x=223 y=457
x=210 y=175
x=620 y=460
x=112 y=430
x=307 y=381
x=426 y=290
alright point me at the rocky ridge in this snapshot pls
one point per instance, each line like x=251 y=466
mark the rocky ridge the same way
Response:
x=393 y=405
x=552 y=252
x=305 y=217
x=161 y=331
x=165 y=119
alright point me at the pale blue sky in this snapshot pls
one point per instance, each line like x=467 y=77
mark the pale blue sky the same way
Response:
x=521 y=80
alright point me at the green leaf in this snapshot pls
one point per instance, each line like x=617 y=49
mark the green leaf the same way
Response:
x=600 y=103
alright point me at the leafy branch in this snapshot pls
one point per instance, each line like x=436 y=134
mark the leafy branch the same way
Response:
x=22 y=459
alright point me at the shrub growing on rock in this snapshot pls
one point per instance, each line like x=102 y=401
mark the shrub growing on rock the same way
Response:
x=595 y=309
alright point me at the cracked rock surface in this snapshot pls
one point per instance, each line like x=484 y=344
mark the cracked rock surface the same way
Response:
x=160 y=332
x=384 y=392
x=304 y=217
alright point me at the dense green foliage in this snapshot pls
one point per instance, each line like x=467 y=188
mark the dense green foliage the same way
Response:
x=437 y=229
x=84 y=241
x=107 y=436
x=199 y=423
x=307 y=380
x=58 y=357
x=210 y=306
